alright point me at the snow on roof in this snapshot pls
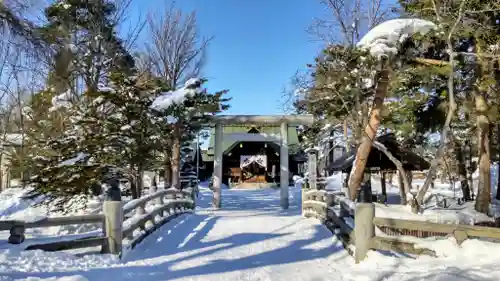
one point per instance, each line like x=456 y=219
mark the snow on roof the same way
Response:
x=382 y=40
x=168 y=99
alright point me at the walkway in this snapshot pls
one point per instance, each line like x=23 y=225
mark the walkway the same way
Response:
x=250 y=239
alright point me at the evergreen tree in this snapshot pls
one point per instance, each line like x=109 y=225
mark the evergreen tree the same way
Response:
x=86 y=45
x=186 y=111
x=472 y=34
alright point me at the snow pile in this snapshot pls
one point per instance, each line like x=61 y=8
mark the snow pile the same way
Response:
x=15 y=205
x=449 y=248
x=384 y=38
x=168 y=99
x=13 y=202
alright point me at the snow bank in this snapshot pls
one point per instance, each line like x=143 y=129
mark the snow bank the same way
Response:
x=14 y=205
x=40 y=261
x=382 y=40
x=433 y=212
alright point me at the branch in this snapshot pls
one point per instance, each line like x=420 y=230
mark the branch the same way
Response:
x=407 y=187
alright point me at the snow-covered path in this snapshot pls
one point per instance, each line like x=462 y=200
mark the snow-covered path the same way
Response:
x=250 y=239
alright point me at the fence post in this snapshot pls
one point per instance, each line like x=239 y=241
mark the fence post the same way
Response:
x=364 y=230
x=312 y=154
x=113 y=219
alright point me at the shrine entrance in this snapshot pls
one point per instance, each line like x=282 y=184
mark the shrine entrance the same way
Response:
x=248 y=164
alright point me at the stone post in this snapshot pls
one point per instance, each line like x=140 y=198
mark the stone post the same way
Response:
x=364 y=229
x=312 y=161
x=284 y=166
x=113 y=219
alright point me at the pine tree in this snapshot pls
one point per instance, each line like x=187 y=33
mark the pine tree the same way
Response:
x=186 y=111
x=62 y=158
x=85 y=149
x=86 y=44
x=130 y=125
x=473 y=35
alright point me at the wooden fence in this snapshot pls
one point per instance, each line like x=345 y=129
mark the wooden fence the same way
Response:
x=356 y=224
x=163 y=206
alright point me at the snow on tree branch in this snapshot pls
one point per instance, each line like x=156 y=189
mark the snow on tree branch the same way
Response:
x=383 y=39
x=170 y=98
x=61 y=101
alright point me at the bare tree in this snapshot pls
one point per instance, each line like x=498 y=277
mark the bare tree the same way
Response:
x=348 y=20
x=176 y=53
x=177 y=50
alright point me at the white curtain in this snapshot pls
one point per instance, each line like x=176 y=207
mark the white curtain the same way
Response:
x=246 y=160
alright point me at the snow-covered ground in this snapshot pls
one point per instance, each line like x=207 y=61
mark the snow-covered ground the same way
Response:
x=14 y=206
x=453 y=213
x=251 y=239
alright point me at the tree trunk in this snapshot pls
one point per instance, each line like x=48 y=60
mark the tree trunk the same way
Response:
x=470 y=168
x=140 y=181
x=483 y=198
x=409 y=176
x=498 y=162
x=383 y=185
x=176 y=157
x=133 y=187
x=345 y=183
x=404 y=184
x=2 y=173
x=452 y=106
x=402 y=192
x=462 y=171
x=370 y=133
x=346 y=137
x=167 y=173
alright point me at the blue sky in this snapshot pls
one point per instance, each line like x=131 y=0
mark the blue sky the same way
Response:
x=258 y=46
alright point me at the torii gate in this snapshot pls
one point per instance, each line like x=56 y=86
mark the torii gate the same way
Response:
x=273 y=120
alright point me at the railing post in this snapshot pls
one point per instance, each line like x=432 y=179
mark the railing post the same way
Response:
x=364 y=230
x=17 y=234
x=113 y=219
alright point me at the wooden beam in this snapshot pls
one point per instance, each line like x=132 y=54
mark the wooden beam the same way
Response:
x=397 y=245
x=69 y=245
x=54 y=221
x=471 y=230
x=275 y=120
x=432 y=62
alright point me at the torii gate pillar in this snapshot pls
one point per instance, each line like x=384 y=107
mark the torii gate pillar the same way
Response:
x=217 y=180
x=284 y=166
